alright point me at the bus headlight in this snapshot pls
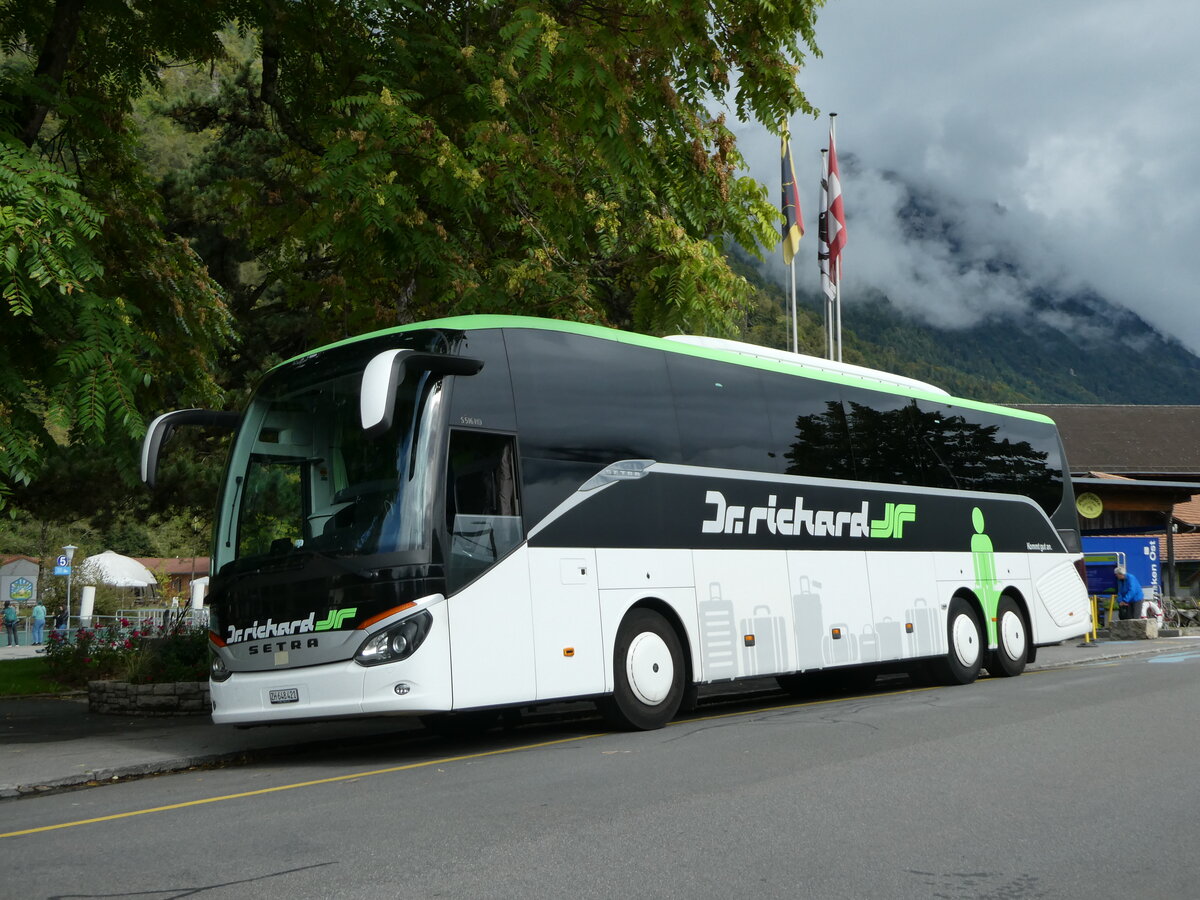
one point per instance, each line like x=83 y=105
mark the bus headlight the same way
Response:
x=396 y=643
x=217 y=670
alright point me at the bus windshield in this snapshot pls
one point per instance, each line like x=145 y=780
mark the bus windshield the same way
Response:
x=303 y=477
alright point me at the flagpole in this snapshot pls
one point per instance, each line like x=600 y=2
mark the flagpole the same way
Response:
x=836 y=272
x=828 y=333
x=835 y=227
x=837 y=292
x=823 y=248
x=795 y=333
x=793 y=224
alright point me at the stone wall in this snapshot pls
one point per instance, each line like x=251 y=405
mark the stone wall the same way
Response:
x=119 y=698
x=1133 y=629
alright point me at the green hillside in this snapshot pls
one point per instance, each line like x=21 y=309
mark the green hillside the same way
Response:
x=1116 y=358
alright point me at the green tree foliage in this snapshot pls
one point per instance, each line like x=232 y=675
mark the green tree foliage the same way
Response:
x=106 y=314
x=361 y=164
x=381 y=163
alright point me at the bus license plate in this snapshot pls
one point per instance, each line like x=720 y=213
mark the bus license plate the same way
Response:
x=286 y=695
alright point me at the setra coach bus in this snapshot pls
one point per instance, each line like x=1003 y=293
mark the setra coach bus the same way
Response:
x=492 y=511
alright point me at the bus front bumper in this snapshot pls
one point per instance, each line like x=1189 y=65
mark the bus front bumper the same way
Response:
x=417 y=685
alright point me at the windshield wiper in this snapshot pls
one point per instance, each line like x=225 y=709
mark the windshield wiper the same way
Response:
x=237 y=490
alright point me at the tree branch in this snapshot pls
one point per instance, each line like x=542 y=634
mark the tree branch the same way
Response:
x=52 y=65
x=271 y=53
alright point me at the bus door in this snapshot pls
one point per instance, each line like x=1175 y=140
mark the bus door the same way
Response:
x=487 y=577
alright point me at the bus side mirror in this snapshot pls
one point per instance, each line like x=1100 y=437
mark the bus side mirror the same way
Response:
x=384 y=373
x=160 y=429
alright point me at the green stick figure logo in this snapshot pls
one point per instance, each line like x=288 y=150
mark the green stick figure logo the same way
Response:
x=984 y=559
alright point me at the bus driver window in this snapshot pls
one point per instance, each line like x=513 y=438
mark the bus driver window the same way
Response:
x=482 y=511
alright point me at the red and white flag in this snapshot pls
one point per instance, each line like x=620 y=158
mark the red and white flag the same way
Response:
x=833 y=220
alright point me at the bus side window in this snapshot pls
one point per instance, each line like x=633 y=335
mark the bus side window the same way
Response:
x=808 y=426
x=483 y=512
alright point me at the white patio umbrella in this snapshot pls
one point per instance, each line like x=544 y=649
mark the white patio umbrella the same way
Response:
x=116 y=570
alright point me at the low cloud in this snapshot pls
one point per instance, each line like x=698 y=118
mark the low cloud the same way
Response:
x=999 y=150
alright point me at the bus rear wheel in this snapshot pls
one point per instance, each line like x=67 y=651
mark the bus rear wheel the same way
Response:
x=648 y=673
x=1012 y=638
x=961 y=665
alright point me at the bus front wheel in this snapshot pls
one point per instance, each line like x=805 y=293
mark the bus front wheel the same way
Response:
x=961 y=665
x=1012 y=637
x=648 y=673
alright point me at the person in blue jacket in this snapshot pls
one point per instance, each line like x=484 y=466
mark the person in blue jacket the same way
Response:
x=1129 y=594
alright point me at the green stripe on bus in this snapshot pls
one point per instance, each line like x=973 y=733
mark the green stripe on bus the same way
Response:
x=482 y=322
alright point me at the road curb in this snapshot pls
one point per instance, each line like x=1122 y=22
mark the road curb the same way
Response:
x=1126 y=650
x=96 y=777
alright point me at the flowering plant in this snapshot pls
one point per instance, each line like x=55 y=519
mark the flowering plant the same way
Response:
x=141 y=653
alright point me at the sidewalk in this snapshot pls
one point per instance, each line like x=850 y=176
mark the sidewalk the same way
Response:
x=52 y=743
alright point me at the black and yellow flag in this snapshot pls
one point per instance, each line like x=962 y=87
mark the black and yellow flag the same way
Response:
x=793 y=222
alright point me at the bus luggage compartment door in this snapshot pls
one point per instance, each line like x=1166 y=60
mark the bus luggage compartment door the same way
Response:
x=566 y=617
x=491 y=637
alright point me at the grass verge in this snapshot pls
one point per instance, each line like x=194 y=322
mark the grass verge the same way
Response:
x=27 y=676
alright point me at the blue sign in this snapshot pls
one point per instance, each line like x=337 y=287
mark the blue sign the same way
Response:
x=1100 y=577
x=62 y=561
x=62 y=570
x=1140 y=556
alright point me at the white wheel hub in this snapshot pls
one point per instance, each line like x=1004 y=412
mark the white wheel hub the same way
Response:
x=1012 y=635
x=649 y=669
x=964 y=639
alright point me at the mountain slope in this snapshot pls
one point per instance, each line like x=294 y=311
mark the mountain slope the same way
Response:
x=1077 y=348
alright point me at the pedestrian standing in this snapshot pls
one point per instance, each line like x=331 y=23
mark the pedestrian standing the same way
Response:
x=39 y=622
x=1129 y=594
x=10 y=622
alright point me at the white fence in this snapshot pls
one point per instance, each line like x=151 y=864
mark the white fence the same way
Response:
x=151 y=619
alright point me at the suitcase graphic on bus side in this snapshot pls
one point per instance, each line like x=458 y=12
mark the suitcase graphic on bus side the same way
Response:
x=842 y=649
x=868 y=645
x=718 y=640
x=923 y=639
x=891 y=638
x=768 y=654
x=808 y=624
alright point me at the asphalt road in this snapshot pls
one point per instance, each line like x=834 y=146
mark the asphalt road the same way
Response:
x=1065 y=783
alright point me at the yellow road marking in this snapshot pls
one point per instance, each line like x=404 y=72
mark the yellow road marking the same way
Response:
x=301 y=784
x=443 y=760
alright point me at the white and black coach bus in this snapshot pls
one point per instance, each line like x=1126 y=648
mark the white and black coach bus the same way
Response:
x=485 y=512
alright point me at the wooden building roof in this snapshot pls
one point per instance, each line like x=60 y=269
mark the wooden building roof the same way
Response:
x=1154 y=441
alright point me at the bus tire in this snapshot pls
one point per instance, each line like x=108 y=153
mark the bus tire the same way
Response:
x=648 y=673
x=1012 y=639
x=964 y=659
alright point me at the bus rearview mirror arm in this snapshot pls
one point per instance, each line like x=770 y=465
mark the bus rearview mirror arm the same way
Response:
x=385 y=371
x=160 y=429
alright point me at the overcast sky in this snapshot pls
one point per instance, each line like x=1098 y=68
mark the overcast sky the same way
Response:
x=1065 y=132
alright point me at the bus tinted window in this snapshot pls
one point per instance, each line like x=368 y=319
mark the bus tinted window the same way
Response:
x=889 y=445
x=589 y=400
x=808 y=426
x=582 y=404
x=722 y=414
x=989 y=452
x=482 y=508
x=484 y=400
